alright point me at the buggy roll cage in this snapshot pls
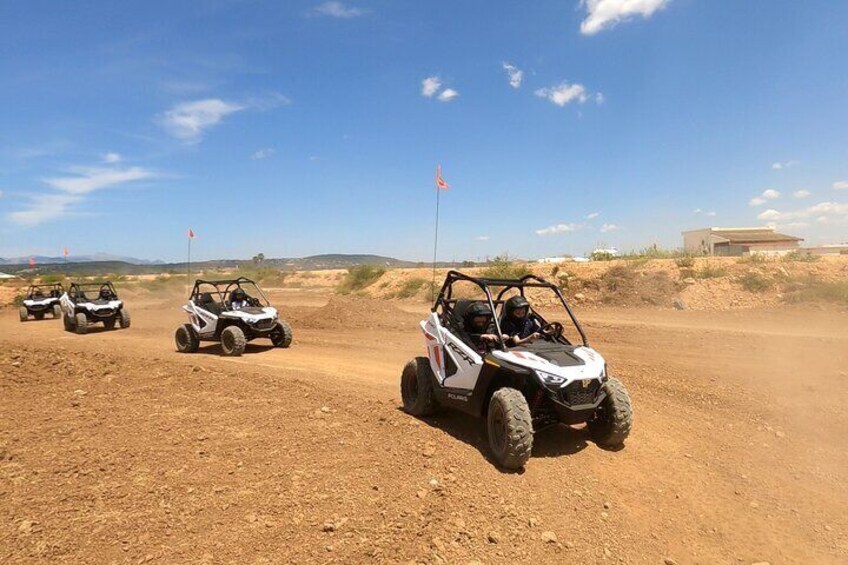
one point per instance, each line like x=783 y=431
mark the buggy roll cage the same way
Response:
x=447 y=302
x=223 y=295
x=79 y=288
x=56 y=290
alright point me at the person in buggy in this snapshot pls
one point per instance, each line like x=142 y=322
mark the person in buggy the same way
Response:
x=239 y=299
x=478 y=329
x=517 y=323
x=105 y=294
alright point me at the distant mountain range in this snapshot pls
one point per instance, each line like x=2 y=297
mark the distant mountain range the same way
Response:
x=101 y=264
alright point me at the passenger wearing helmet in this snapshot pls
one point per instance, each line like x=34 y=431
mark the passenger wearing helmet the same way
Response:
x=105 y=293
x=238 y=299
x=478 y=328
x=517 y=323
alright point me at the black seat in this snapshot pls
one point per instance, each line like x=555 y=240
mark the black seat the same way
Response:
x=208 y=303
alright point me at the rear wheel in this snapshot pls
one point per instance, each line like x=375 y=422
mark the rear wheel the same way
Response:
x=80 y=323
x=109 y=323
x=125 y=318
x=510 y=428
x=24 y=313
x=416 y=388
x=233 y=341
x=281 y=335
x=186 y=339
x=613 y=418
x=68 y=322
x=57 y=311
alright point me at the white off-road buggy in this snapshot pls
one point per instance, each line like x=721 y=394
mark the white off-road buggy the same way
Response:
x=41 y=300
x=89 y=303
x=521 y=389
x=231 y=312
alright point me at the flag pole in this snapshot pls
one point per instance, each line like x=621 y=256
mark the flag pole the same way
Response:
x=435 y=246
x=188 y=266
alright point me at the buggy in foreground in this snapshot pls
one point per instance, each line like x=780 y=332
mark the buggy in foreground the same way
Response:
x=89 y=303
x=231 y=312
x=518 y=389
x=41 y=300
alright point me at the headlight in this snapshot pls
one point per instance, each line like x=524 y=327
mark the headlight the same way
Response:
x=550 y=379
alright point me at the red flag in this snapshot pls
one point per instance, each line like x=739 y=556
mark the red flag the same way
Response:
x=440 y=182
x=32 y=261
x=65 y=251
x=190 y=233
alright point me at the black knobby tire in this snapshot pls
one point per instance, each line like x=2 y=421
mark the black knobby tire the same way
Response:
x=186 y=339
x=109 y=323
x=510 y=428
x=233 y=341
x=124 y=317
x=80 y=324
x=416 y=388
x=614 y=417
x=68 y=322
x=57 y=311
x=281 y=335
x=24 y=313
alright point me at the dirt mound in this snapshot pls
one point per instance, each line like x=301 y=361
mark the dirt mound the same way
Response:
x=355 y=312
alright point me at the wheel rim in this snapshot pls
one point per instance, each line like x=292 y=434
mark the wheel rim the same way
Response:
x=181 y=339
x=498 y=429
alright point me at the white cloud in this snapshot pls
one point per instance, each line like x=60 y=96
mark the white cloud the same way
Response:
x=1 y=194
x=604 y=14
x=593 y=215
x=699 y=212
x=559 y=228
x=840 y=185
x=481 y=238
x=72 y=190
x=515 y=75
x=112 y=158
x=188 y=121
x=784 y=165
x=768 y=194
x=89 y=179
x=823 y=212
x=337 y=10
x=710 y=214
x=599 y=98
x=803 y=193
x=564 y=93
x=263 y=153
x=44 y=207
x=430 y=86
x=448 y=94
x=609 y=227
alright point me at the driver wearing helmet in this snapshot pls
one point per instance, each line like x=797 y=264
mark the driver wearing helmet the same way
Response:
x=238 y=299
x=105 y=293
x=517 y=323
x=478 y=328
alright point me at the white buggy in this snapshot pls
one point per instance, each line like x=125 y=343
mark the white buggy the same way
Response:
x=41 y=300
x=89 y=303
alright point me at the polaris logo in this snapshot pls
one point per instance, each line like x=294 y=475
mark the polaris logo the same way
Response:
x=458 y=397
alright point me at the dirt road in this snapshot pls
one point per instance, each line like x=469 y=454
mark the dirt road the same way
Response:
x=114 y=448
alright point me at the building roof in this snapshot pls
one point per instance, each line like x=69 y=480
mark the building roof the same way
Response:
x=753 y=236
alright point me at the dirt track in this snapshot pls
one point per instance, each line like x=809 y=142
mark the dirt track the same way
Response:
x=114 y=448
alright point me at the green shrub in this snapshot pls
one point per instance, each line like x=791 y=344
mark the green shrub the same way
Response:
x=601 y=256
x=753 y=281
x=800 y=256
x=410 y=287
x=52 y=278
x=685 y=262
x=710 y=271
x=820 y=291
x=360 y=277
x=753 y=258
x=503 y=267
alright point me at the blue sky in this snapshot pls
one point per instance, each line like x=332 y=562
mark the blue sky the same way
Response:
x=311 y=127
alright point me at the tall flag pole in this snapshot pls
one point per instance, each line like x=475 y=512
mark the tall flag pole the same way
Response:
x=191 y=236
x=65 y=254
x=440 y=186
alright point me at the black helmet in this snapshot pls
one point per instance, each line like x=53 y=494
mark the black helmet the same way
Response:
x=105 y=293
x=514 y=304
x=237 y=294
x=476 y=310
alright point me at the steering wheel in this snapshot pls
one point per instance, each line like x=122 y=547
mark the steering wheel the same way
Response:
x=552 y=331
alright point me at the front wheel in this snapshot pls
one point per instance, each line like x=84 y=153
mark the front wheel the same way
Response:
x=186 y=339
x=68 y=322
x=57 y=311
x=416 y=388
x=281 y=335
x=510 y=428
x=24 y=313
x=613 y=418
x=81 y=323
x=233 y=341
x=125 y=318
